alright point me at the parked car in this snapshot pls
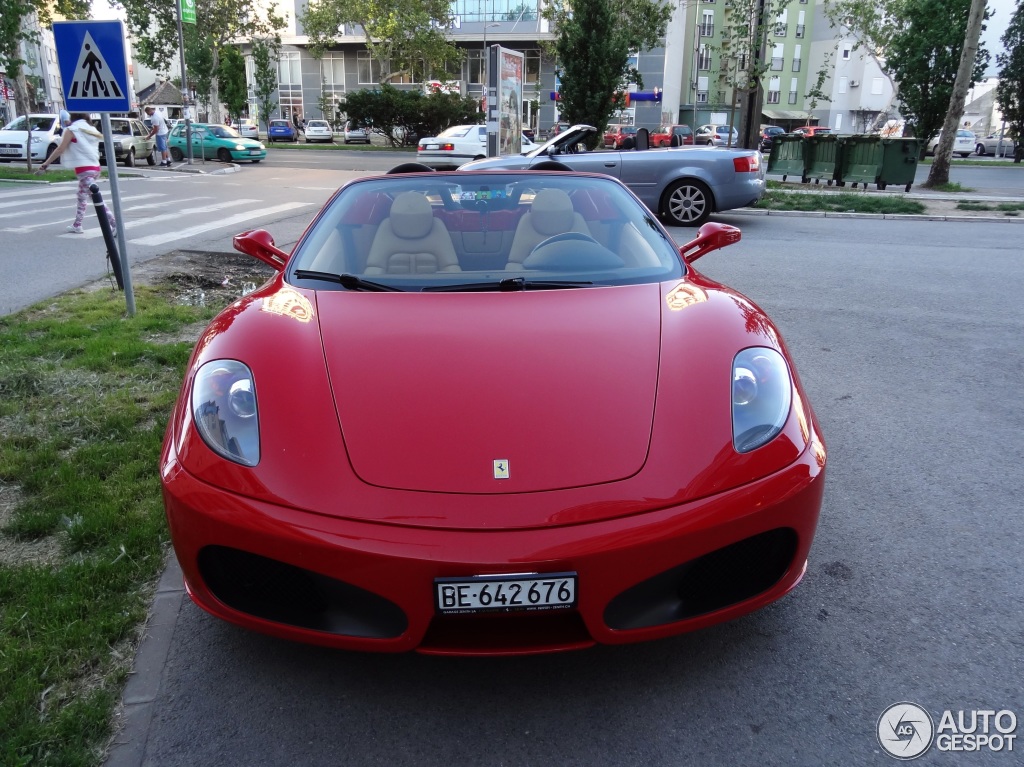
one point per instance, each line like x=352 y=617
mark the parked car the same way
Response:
x=619 y=135
x=214 y=141
x=995 y=143
x=281 y=130
x=768 y=133
x=530 y=134
x=131 y=142
x=557 y=128
x=598 y=444
x=812 y=130
x=248 y=129
x=714 y=134
x=963 y=143
x=453 y=146
x=356 y=134
x=663 y=136
x=45 y=136
x=318 y=130
x=685 y=187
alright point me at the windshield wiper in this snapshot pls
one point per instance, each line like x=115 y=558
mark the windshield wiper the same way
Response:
x=507 y=285
x=347 y=281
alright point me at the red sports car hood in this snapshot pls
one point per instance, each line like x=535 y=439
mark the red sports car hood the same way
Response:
x=494 y=392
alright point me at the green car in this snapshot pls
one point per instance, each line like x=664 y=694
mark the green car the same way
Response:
x=215 y=142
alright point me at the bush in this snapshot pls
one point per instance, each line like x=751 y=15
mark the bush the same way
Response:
x=396 y=113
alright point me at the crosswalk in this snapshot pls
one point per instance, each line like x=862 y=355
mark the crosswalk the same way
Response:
x=149 y=218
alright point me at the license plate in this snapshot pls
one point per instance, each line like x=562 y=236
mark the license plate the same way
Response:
x=431 y=146
x=9 y=151
x=255 y=151
x=505 y=593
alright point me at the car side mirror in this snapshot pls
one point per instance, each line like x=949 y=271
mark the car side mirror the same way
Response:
x=259 y=243
x=711 y=236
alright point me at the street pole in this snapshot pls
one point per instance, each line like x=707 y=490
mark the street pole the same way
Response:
x=184 y=88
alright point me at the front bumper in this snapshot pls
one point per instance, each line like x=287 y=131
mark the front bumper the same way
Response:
x=309 y=577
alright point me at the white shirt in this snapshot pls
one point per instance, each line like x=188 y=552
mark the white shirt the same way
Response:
x=84 y=150
x=160 y=122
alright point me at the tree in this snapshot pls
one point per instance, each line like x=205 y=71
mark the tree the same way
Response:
x=17 y=28
x=199 y=62
x=233 y=88
x=403 y=37
x=396 y=113
x=968 y=70
x=264 y=72
x=592 y=47
x=1010 y=91
x=153 y=27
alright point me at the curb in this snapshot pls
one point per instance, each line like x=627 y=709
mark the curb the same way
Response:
x=127 y=747
x=885 y=216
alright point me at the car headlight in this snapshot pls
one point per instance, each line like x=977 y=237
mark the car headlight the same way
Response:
x=762 y=393
x=224 y=410
x=261 y=145
x=37 y=139
x=239 y=147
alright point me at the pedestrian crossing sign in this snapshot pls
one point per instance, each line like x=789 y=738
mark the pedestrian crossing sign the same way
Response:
x=93 y=65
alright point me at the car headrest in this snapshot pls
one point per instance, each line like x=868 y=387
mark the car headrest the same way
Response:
x=411 y=216
x=552 y=212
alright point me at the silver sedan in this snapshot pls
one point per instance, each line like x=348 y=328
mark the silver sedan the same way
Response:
x=995 y=143
x=685 y=185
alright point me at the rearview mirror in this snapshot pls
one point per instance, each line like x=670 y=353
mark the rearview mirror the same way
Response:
x=711 y=236
x=258 y=243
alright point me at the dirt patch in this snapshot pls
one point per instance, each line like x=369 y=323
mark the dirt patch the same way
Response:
x=203 y=277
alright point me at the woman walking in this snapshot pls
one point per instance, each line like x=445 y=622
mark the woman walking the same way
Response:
x=81 y=145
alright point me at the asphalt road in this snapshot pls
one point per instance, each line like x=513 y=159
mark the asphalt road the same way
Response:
x=907 y=336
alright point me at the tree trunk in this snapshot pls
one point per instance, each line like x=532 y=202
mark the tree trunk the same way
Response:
x=214 y=112
x=22 y=107
x=939 y=173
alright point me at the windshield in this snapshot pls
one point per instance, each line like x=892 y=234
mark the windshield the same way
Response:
x=456 y=131
x=36 y=122
x=480 y=230
x=223 y=132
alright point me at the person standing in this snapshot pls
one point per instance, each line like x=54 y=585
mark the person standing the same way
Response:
x=158 y=127
x=80 y=143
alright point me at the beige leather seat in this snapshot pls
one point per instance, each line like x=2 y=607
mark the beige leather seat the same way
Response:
x=411 y=241
x=550 y=213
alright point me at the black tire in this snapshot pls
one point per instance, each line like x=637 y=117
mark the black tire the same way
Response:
x=783 y=178
x=907 y=188
x=980 y=149
x=223 y=155
x=176 y=154
x=964 y=155
x=687 y=203
x=50 y=150
x=152 y=158
x=255 y=161
x=804 y=179
x=129 y=159
x=881 y=185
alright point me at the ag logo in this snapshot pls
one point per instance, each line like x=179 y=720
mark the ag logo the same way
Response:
x=905 y=730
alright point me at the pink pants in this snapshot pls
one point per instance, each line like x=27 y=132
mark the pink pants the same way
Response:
x=86 y=178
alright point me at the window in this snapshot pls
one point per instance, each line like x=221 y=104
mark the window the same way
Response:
x=777 y=58
x=846 y=51
x=704 y=58
x=796 y=65
x=475 y=61
x=531 y=65
x=773 y=90
x=794 y=83
x=332 y=69
x=289 y=68
x=876 y=86
x=773 y=97
x=702 y=97
x=842 y=84
x=368 y=69
x=792 y=97
x=707 y=25
x=781 y=30
x=799 y=30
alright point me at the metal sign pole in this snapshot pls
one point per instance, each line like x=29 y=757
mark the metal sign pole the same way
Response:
x=115 y=201
x=184 y=87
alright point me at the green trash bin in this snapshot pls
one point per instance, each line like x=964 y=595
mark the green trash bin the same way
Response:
x=880 y=161
x=823 y=158
x=787 y=155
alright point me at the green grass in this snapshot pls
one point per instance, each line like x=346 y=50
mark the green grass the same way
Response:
x=949 y=186
x=85 y=394
x=1007 y=208
x=337 y=147
x=840 y=202
x=17 y=172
